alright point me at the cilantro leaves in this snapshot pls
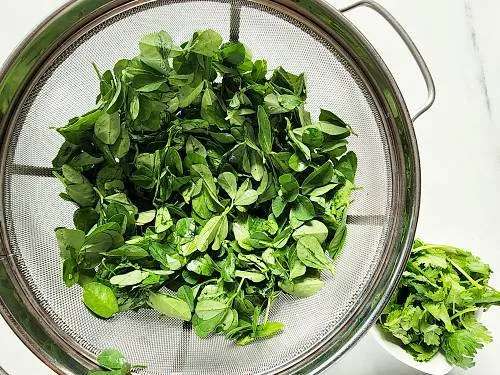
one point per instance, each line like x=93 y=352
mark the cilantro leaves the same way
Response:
x=435 y=307
x=203 y=189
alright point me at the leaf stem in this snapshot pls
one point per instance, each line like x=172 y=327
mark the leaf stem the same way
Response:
x=237 y=291
x=464 y=311
x=466 y=275
x=453 y=250
x=96 y=69
x=267 y=310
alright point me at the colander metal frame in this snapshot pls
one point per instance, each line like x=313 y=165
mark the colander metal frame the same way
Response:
x=41 y=47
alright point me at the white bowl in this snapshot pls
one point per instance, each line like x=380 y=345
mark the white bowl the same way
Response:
x=438 y=365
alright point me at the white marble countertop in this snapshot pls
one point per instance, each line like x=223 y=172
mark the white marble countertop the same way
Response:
x=459 y=142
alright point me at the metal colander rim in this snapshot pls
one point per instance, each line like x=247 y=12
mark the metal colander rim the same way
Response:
x=409 y=206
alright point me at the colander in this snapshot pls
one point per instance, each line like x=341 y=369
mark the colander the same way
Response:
x=50 y=79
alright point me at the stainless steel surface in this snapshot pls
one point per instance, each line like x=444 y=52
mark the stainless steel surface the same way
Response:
x=49 y=79
x=431 y=89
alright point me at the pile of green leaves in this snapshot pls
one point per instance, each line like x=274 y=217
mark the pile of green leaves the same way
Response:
x=435 y=307
x=204 y=188
x=114 y=363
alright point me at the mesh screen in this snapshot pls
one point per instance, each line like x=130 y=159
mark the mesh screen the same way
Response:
x=33 y=208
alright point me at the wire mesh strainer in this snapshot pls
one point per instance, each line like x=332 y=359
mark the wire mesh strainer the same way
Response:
x=49 y=79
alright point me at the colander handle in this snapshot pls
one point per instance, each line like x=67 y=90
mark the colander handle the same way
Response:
x=409 y=43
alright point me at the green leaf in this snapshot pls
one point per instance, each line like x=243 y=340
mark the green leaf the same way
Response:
x=75 y=130
x=134 y=107
x=312 y=137
x=259 y=70
x=71 y=275
x=130 y=278
x=302 y=287
x=246 y=197
x=479 y=331
x=338 y=241
x=107 y=128
x=272 y=105
x=440 y=312
x=297 y=268
x=347 y=165
x=84 y=160
x=156 y=48
x=185 y=228
x=212 y=110
x=188 y=94
x=331 y=129
x=105 y=372
x=163 y=220
x=228 y=182
x=268 y=329
x=303 y=209
x=207 y=308
x=170 y=306
x=289 y=187
x=300 y=146
x=328 y=116
x=432 y=260
x=265 y=135
x=202 y=265
x=208 y=233
x=321 y=176
x=313 y=228
x=122 y=145
x=310 y=252
x=256 y=277
x=195 y=146
x=257 y=166
x=103 y=238
x=460 y=347
x=204 y=327
x=206 y=43
x=129 y=251
x=69 y=241
x=145 y=217
x=233 y=53
x=318 y=192
x=185 y=293
x=282 y=238
x=296 y=163
x=278 y=206
x=168 y=259
x=111 y=359
x=289 y=102
x=100 y=299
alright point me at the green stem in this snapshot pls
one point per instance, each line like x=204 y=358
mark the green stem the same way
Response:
x=237 y=291
x=267 y=310
x=453 y=250
x=416 y=269
x=466 y=275
x=464 y=311
x=96 y=69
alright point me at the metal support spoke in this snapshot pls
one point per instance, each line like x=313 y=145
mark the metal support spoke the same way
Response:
x=376 y=220
x=30 y=170
x=234 y=27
